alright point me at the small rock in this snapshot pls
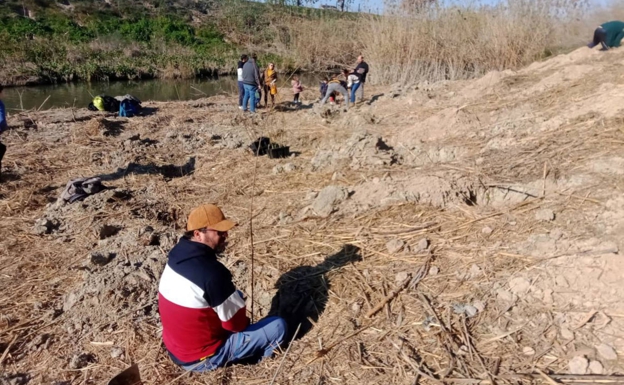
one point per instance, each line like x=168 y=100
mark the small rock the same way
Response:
x=117 y=352
x=70 y=300
x=519 y=285
x=479 y=305
x=545 y=215
x=578 y=365
x=327 y=200
x=79 y=361
x=468 y=310
x=505 y=296
x=486 y=230
x=434 y=270
x=356 y=307
x=595 y=367
x=289 y=167
x=479 y=161
x=474 y=272
x=394 y=246
x=607 y=352
x=547 y=298
x=422 y=245
x=528 y=351
x=401 y=277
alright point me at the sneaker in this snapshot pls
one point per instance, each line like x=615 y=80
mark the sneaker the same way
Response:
x=240 y=108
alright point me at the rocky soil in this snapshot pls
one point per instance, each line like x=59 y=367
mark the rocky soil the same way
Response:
x=499 y=199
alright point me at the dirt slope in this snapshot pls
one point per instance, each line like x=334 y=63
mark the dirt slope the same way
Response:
x=500 y=198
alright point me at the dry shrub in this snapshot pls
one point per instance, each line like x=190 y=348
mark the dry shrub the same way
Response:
x=318 y=43
x=436 y=42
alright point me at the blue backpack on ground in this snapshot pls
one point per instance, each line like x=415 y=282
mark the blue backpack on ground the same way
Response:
x=127 y=109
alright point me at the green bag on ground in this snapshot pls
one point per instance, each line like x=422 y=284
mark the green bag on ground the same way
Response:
x=98 y=102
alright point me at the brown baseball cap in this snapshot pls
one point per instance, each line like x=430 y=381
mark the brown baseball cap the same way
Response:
x=210 y=217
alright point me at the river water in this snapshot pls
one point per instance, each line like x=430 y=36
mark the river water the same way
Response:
x=81 y=94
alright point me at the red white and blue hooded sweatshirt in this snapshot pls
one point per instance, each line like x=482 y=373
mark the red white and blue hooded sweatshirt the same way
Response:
x=198 y=303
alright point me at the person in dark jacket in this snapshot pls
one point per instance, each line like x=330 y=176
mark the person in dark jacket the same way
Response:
x=361 y=71
x=3 y=127
x=204 y=319
x=239 y=73
x=251 y=83
x=608 y=35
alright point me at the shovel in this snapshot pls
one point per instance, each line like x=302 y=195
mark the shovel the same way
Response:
x=130 y=376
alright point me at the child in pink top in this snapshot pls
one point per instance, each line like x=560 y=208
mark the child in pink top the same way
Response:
x=297 y=89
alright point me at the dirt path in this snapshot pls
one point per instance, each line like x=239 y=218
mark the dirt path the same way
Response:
x=506 y=191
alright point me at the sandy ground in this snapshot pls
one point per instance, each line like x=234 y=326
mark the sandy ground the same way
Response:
x=493 y=207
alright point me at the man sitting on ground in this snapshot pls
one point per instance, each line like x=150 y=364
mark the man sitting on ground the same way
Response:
x=608 y=35
x=205 y=325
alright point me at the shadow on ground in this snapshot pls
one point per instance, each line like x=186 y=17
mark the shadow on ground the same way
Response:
x=303 y=291
x=374 y=99
x=168 y=171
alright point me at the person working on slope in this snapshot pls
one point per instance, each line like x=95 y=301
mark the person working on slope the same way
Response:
x=205 y=325
x=335 y=85
x=3 y=127
x=608 y=35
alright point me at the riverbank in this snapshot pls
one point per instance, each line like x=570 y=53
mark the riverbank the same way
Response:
x=80 y=94
x=455 y=229
x=46 y=41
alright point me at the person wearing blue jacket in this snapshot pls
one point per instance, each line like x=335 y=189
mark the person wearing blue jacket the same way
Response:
x=3 y=127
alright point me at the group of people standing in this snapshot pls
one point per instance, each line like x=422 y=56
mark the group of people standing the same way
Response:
x=253 y=83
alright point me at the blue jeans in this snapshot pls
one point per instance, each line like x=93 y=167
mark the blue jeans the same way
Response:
x=250 y=96
x=241 y=93
x=251 y=345
x=354 y=88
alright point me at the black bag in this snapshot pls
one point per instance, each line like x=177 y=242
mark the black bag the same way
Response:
x=110 y=104
x=260 y=146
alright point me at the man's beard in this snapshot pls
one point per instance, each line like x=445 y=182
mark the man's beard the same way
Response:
x=220 y=248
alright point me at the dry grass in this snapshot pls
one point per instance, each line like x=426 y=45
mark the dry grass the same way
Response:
x=415 y=336
x=318 y=44
x=439 y=43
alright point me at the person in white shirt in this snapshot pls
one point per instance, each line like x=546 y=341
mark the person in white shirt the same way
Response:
x=241 y=89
